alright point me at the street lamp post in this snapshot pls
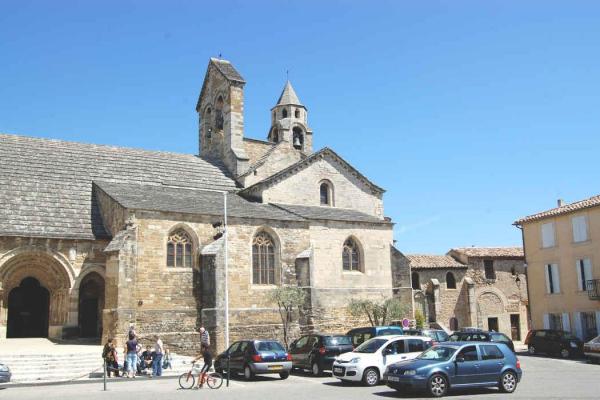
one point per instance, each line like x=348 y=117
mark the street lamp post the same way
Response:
x=225 y=234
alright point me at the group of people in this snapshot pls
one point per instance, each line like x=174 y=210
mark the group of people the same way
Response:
x=154 y=358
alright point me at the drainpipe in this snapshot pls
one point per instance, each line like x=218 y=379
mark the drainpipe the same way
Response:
x=530 y=321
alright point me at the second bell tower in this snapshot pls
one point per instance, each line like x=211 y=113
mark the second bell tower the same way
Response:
x=289 y=121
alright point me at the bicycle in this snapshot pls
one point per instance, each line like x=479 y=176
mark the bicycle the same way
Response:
x=213 y=380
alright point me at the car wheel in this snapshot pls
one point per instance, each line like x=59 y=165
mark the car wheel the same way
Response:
x=284 y=375
x=371 y=377
x=316 y=370
x=564 y=353
x=248 y=374
x=438 y=385
x=508 y=382
x=531 y=349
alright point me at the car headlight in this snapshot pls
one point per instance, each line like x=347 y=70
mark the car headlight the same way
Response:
x=410 y=372
x=355 y=360
x=4 y=368
x=574 y=345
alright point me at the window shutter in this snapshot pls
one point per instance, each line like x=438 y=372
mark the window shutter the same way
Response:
x=546 y=321
x=578 y=268
x=548 y=234
x=579 y=228
x=566 y=323
x=578 y=330
x=547 y=268
x=555 y=278
x=587 y=270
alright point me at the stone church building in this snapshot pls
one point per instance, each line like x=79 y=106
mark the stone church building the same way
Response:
x=95 y=238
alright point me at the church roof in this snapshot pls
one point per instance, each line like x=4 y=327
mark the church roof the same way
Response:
x=226 y=68
x=289 y=96
x=430 y=261
x=330 y=213
x=189 y=201
x=292 y=169
x=47 y=184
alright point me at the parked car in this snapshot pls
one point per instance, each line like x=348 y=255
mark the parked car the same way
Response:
x=481 y=336
x=437 y=335
x=255 y=357
x=317 y=352
x=553 y=342
x=592 y=350
x=457 y=365
x=361 y=335
x=5 y=374
x=368 y=362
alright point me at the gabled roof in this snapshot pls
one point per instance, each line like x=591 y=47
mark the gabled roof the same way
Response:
x=324 y=152
x=46 y=184
x=330 y=213
x=288 y=96
x=490 y=252
x=226 y=69
x=430 y=261
x=189 y=201
x=593 y=201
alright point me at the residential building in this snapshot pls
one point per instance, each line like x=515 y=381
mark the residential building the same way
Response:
x=562 y=250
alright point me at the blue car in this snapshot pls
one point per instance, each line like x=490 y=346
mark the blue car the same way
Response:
x=457 y=365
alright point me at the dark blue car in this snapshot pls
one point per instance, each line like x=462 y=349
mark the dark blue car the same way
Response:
x=457 y=365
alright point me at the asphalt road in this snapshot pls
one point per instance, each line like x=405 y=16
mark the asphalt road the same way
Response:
x=545 y=378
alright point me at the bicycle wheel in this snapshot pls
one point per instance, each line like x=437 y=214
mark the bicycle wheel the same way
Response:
x=186 y=380
x=214 y=380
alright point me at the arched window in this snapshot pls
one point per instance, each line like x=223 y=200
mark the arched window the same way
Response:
x=297 y=113
x=208 y=121
x=450 y=281
x=416 y=285
x=284 y=113
x=263 y=259
x=219 y=120
x=326 y=194
x=179 y=249
x=351 y=256
x=298 y=138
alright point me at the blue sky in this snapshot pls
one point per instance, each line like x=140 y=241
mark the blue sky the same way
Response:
x=470 y=113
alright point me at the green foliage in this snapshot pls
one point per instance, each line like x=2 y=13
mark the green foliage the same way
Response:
x=378 y=312
x=419 y=319
x=288 y=298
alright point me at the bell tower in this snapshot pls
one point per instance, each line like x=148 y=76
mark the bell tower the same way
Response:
x=289 y=121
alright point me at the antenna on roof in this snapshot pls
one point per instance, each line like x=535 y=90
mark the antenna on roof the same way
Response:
x=287 y=74
x=219 y=56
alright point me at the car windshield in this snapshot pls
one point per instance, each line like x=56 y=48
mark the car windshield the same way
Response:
x=338 y=340
x=440 y=353
x=269 y=346
x=567 y=335
x=595 y=340
x=370 y=346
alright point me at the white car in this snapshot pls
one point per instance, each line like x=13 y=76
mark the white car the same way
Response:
x=592 y=350
x=367 y=363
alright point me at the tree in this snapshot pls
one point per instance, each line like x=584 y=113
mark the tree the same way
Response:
x=419 y=319
x=288 y=298
x=378 y=312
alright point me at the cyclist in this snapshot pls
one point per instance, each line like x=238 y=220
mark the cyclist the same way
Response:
x=207 y=357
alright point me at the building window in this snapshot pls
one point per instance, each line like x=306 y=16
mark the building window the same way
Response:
x=450 y=281
x=579 y=224
x=556 y=322
x=263 y=259
x=488 y=266
x=219 y=120
x=548 y=239
x=298 y=138
x=589 y=329
x=584 y=273
x=416 y=285
x=179 y=249
x=351 y=256
x=284 y=113
x=297 y=113
x=326 y=194
x=552 y=279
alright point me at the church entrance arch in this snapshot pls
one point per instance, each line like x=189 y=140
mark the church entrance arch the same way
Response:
x=28 y=310
x=91 y=303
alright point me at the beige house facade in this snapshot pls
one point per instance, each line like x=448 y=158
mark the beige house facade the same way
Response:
x=562 y=248
x=94 y=239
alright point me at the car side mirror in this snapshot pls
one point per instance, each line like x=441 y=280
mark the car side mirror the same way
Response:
x=460 y=359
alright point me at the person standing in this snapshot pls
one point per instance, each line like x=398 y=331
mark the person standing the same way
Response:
x=131 y=349
x=204 y=337
x=158 y=355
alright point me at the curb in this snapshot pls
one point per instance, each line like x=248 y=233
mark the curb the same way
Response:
x=80 y=382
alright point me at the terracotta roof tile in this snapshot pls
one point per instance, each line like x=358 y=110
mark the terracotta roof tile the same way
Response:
x=490 y=252
x=428 y=261
x=567 y=208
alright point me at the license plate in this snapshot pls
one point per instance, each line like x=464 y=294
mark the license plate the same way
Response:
x=393 y=379
x=338 y=370
x=275 y=367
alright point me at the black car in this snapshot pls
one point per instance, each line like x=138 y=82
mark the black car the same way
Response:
x=255 y=357
x=437 y=335
x=554 y=342
x=481 y=336
x=360 y=335
x=317 y=352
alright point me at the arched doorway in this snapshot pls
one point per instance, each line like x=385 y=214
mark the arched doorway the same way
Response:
x=91 y=304
x=28 y=310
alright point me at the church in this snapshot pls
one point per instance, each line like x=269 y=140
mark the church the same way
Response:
x=96 y=238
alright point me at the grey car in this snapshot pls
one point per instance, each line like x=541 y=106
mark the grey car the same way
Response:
x=255 y=357
x=5 y=374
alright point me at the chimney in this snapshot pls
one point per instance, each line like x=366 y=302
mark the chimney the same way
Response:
x=560 y=202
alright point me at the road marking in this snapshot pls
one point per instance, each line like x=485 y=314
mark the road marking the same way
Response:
x=307 y=379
